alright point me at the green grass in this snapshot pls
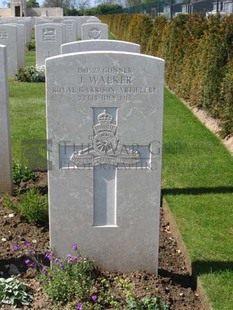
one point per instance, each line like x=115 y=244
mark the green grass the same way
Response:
x=27 y=117
x=111 y=36
x=30 y=58
x=198 y=185
x=197 y=182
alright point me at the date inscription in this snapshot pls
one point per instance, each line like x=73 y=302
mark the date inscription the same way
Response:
x=104 y=83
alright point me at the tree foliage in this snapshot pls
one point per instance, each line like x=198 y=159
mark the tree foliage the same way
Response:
x=103 y=9
x=83 y=9
x=32 y=4
x=198 y=53
x=64 y=4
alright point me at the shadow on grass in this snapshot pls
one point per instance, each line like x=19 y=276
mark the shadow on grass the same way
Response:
x=205 y=267
x=197 y=190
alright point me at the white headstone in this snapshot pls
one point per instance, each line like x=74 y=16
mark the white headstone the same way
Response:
x=99 y=45
x=104 y=118
x=94 y=31
x=21 y=44
x=80 y=20
x=5 y=146
x=71 y=30
x=49 y=38
x=93 y=19
x=8 y=37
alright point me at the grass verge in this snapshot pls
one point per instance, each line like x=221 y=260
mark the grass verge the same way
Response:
x=198 y=186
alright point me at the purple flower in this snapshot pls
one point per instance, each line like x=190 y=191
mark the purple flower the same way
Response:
x=58 y=260
x=79 y=306
x=27 y=261
x=75 y=259
x=69 y=258
x=15 y=247
x=62 y=267
x=33 y=265
x=30 y=263
x=94 y=298
x=75 y=246
x=27 y=244
x=49 y=256
x=44 y=270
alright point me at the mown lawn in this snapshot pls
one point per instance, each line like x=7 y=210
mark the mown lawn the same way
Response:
x=198 y=186
x=197 y=181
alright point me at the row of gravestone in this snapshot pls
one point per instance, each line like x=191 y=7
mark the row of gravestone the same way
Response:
x=50 y=36
x=104 y=118
x=15 y=34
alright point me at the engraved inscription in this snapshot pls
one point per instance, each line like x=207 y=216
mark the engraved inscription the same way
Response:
x=94 y=33
x=69 y=25
x=111 y=84
x=106 y=147
x=48 y=34
x=3 y=35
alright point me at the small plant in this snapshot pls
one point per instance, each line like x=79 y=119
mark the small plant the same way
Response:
x=76 y=283
x=31 y=45
x=22 y=173
x=32 y=74
x=14 y=293
x=146 y=303
x=32 y=206
x=70 y=278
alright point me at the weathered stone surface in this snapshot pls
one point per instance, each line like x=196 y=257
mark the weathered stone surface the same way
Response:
x=8 y=37
x=5 y=146
x=49 y=38
x=99 y=45
x=94 y=31
x=104 y=117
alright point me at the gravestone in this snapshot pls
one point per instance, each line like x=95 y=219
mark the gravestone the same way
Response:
x=94 y=31
x=71 y=30
x=21 y=44
x=5 y=147
x=80 y=21
x=93 y=19
x=8 y=37
x=49 y=38
x=104 y=118
x=99 y=45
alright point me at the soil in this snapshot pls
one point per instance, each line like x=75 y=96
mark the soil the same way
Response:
x=174 y=284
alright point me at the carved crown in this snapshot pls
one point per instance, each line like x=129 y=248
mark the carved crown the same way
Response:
x=104 y=118
x=104 y=124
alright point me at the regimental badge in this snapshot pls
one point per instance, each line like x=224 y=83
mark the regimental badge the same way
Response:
x=94 y=33
x=106 y=147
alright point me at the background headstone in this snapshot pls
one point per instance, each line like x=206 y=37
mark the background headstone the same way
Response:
x=49 y=38
x=8 y=37
x=5 y=146
x=104 y=118
x=71 y=30
x=21 y=44
x=80 y=20
x=93 y=19
x=99 y=45
x=94 y=31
